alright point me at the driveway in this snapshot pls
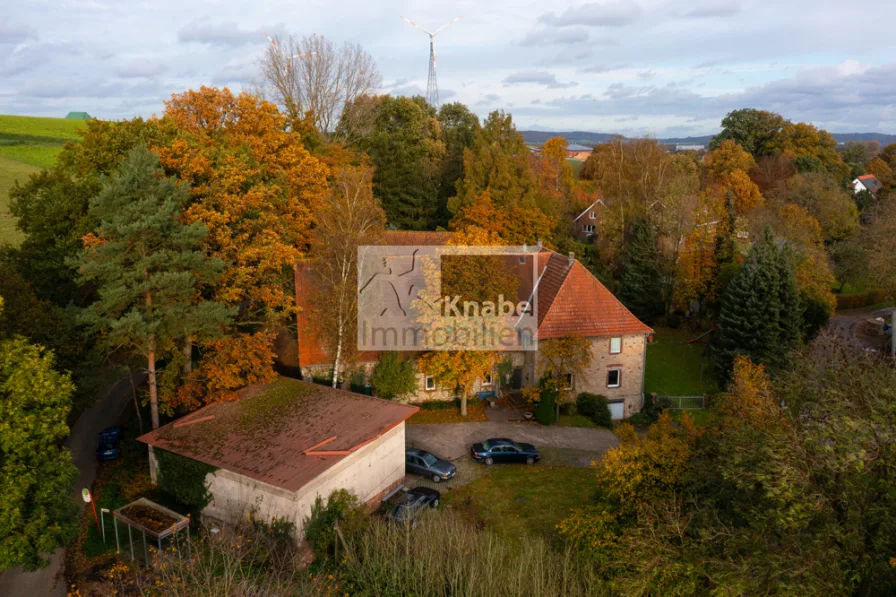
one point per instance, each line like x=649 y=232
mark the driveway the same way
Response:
x=453 y=440
x=82 y=444
x=850 y=326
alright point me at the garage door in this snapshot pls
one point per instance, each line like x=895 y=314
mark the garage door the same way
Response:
x=617 y=410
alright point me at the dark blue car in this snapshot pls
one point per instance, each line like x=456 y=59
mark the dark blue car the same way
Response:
x=109 y=447
x=501 y=449
x=421 y=462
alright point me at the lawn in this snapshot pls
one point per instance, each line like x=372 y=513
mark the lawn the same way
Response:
x=10 y=171
x=435 y=416
x=517 y=501
x=42 y=156
x=35 y=128
x=675 y=367
x=699 y=416
x=575 y=421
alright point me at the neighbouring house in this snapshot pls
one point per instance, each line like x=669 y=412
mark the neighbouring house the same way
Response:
x=78 y=116
x=689 y=147
x=587 y=223
x=574 y=151
x=281 y=445
x=866 y=182
x=570 y=300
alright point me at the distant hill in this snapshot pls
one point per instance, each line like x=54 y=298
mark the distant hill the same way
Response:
x=589 y=138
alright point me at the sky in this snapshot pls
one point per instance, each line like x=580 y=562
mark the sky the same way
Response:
x=635 y=67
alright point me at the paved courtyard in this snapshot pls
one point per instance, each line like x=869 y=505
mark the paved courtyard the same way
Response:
x=452 y=441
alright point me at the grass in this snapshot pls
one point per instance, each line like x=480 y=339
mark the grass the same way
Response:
x=699 y=416
x=675 y=367
x=36 y=128
x=10 y=172
x=576 y=421
x=42 y=156
x=577 y=166
x=518 y=501
x=436 y=416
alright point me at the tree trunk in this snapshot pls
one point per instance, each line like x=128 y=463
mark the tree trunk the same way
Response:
x=337 y=361
x=463 y=404
x=188 y=355
x=136 y=402
x=153 y=389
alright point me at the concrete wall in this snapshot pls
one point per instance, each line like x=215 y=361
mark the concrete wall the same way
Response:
x=367 y=474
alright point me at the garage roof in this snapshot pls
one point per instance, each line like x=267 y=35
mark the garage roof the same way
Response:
x=285 y=433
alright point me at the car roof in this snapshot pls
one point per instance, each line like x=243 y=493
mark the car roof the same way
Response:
x=500 y=440
x=421 y=491
x=415 y=451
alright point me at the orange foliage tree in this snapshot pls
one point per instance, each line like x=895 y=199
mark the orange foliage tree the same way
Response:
x=513 y=225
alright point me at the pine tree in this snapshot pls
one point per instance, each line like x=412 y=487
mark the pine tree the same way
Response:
x=761 y=311
x=147 y=266
x=641 y=284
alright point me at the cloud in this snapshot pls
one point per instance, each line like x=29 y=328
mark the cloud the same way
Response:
x=552 y=36
x=720 y=8
x=408 y=90
x=396 y=83
x=488 y=99
x=616 y=13
x=15 y=34
x=646 y=74
x=226 y=33
x=600 y=68
x=626 y=119
x=242 y=71
x=538 y=77
x=140 y=68
x=32 y=56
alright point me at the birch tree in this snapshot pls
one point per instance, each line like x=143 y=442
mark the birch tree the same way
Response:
x=351 y=217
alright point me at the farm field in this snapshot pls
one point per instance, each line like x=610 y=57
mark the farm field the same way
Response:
x=27 y=144
x=10 y=171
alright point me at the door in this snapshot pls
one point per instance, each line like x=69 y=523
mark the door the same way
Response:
x=516 y=380
x=617 y=410
x=412 y=465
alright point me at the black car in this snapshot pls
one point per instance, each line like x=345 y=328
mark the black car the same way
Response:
x=109 y=443
x=407 y=507
x=501 y=449
x=421 y=462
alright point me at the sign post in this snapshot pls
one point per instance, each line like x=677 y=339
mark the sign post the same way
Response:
x=85 y=495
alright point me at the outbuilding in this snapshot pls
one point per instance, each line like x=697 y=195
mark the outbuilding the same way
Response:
x=281 y=445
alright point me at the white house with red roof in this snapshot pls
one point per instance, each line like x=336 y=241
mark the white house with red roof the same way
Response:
x=570 y=300
x=866 y=182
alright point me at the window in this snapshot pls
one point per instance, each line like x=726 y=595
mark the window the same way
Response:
x=569 y=381
x=523 y=259
x=430 y=382
x=588 y=228
x=592 y=216
x=488 y=380
x=615 y=345
x=614 y=378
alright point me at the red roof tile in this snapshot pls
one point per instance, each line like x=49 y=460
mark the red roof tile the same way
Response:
x=284 y=434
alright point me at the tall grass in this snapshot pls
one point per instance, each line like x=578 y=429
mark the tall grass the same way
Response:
x=445 y=556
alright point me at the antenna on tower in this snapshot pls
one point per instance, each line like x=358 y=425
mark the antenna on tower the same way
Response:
x=432 y=85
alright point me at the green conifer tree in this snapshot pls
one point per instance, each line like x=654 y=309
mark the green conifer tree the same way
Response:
x=641 y=288
x=148 y=267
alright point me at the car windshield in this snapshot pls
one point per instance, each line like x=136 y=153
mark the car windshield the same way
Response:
x=429 y=459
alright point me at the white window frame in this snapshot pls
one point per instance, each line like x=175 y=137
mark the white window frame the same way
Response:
x=618 y=371
x=570 y=381
x=592 y=216
x=588 y=228
x=489 y=380
x=613 y=339
x=429 y=383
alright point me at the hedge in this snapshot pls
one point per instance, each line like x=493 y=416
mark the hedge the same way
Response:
x=861 y=299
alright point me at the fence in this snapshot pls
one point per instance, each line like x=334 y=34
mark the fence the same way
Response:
x=684 y=402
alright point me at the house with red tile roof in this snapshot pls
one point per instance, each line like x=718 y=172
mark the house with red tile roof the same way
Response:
x=282 y=445
x=570 y=300
x=866 y=182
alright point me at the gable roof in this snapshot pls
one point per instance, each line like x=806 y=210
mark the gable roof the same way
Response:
x=285 y=433
x=870 y=182
x=577 y=147
x=587 y=209
x=572 y=301
x=78 y=116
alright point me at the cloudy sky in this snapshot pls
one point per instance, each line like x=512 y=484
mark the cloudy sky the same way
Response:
x=636 y=67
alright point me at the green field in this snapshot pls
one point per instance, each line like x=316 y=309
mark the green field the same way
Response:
x=28 y=143
x=676 y=367
x=10 y=171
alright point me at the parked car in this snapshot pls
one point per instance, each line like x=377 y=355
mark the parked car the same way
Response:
x=501 y=449
x=109 y=447
x=408 y=507
x=421 y=462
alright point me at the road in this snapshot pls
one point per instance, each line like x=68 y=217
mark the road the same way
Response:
x=82 y=444
x=849 y=325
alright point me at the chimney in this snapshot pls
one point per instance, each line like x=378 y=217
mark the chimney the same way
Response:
x=572 y=258
x=538 y=245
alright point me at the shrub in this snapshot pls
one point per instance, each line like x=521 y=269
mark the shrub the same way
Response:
x=568 y=408
x=861 y=299
x=320 y=528
x=596 y=408
x=184 y=479
x=586 y=403
x=545 y=412
x=652 y=409
x=394 y=376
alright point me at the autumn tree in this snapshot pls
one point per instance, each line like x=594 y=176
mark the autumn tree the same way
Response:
x=147 y=264
x=563 y=360
x=555 y=178
x=826 y=200
x=37 y=513
x=350 y=219
x=513 y=225
x=802 y=141
x=882 y=171
x=849 y=262
x=394 y=376
x=311 y=75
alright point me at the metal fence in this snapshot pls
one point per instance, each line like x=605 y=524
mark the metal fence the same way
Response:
x=684 y=402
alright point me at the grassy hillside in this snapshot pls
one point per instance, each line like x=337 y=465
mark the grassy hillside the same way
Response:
x=10 y=171
x=27 y=144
